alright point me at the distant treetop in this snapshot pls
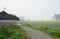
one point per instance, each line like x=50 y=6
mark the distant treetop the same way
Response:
x=56 y=17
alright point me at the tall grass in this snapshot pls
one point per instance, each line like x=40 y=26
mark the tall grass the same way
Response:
x=12 y=32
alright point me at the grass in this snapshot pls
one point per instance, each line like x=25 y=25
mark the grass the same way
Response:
x=12 y=32
x=52 y=28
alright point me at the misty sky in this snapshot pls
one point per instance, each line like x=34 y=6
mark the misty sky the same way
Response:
x=32 y=9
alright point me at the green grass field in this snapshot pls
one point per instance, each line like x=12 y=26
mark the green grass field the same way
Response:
x=51 y=27
x=12 y=32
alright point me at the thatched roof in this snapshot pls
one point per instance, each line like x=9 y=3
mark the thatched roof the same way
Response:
x=5 y=16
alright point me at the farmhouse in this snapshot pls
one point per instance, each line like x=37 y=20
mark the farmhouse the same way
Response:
x=8 y=19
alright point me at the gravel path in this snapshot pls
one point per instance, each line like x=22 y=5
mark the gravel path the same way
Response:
x=36 y=34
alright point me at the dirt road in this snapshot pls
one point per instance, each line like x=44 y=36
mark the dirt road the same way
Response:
x=36 y=34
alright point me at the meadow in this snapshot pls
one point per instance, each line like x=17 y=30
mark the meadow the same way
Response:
x=12 y=32
x=51 y=27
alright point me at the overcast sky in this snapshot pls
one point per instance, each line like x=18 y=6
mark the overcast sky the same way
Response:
x=31 y=9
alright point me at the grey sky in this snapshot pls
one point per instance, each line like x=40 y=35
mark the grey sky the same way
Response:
x=32 y=9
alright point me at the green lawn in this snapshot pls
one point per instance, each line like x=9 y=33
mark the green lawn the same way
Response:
x=52 y=28
x=12 y=32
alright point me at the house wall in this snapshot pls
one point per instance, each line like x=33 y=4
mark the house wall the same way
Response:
x=8 y=22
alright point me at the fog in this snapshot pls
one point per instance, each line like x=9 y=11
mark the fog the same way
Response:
x=32 y=9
